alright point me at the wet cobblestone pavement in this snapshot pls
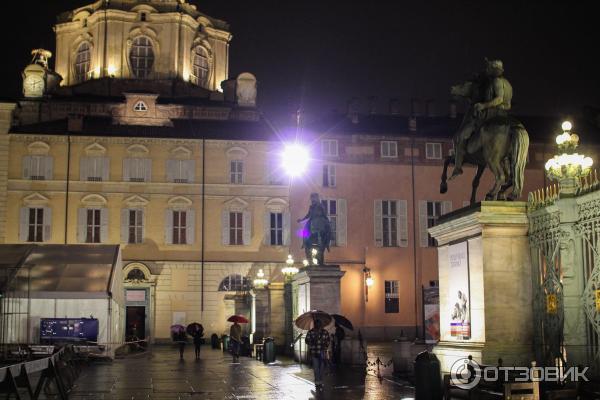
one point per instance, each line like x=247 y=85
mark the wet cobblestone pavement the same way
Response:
x=159 y=374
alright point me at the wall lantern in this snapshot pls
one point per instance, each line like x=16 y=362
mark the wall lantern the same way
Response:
x=289 y=270
x=260 y=282
x=368 y=281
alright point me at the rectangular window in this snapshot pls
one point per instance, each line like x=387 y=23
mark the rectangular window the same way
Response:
x=96 y=169
x=389 y=149
x=180 y=171
x=138 y=169
x=434 y=211
x=37 y=168
x=392 y=297
x=332 y=213
x=179 y=227
x=135 y=226
x=93 y=226
x=329 y=176
x=329 y=147
x=389 y=222
x=276 y=227
x=36 y=225
x=236 y=171
x=236 y=229
x=433 y=151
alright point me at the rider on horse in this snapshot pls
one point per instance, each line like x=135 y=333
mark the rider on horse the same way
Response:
x=497 y=96
x=317 y=229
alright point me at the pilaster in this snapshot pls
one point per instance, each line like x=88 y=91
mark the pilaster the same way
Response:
x=6 y=114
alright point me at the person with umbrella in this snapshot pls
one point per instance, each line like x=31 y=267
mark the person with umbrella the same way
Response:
x=235 y=335
x=197 y=331
x=178 y=332
x=318 y=340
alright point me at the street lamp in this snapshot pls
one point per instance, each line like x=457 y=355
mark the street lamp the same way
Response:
x=289 y=270
x=260 y=282
x=294 y=159
x=568 y=167
x=368 y=281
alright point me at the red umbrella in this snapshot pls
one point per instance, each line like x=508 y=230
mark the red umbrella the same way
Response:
x=240 y=319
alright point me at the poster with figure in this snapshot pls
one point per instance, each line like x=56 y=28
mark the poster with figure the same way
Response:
x=431 y=314
x=458 y=291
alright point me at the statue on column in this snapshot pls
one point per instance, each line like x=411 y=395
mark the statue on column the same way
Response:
x=489 y=136
x=317 y=231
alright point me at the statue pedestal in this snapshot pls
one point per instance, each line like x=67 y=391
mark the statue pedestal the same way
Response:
x=314 y=288
x=483 y=252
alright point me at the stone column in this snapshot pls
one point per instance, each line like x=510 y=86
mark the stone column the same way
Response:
x=6 y=113
x=499 y=280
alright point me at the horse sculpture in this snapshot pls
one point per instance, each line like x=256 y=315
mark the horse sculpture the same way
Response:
x=500 y=144
x=317 y=231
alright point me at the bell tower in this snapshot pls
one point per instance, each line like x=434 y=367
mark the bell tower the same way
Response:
x=38 y=79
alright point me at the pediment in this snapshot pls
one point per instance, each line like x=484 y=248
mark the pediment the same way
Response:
x=236 y=204
x=179 y=202
x=35 y=199
x=136 y=201
x=95 y=149
x=94 y=200
x=181 y=152
x=236 y=152
x=38 y=148
x=138 y=150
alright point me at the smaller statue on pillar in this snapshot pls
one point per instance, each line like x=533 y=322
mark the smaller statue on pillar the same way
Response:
x=317 y=231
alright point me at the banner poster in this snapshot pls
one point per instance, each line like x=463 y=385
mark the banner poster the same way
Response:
x=431 y=306
x=459 y=296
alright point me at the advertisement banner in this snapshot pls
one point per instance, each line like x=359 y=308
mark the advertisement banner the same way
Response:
x=431 y=308
x=458 y=291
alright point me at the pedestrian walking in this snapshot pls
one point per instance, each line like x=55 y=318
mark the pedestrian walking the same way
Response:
x=235 y=340
x=318 y=340
x=181 y=342
x=339 y=335
x=198 y=343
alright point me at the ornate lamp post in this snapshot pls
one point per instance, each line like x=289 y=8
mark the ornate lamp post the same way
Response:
x=568 y=167
x=260 y=282
x=289 y=270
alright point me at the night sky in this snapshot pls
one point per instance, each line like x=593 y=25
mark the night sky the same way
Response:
x=322 y=53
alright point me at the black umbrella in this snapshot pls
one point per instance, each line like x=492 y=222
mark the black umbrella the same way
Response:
x=342 y=321
x=306 y=320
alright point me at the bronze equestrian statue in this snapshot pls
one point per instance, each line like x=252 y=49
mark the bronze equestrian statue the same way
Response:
x=489 y=136
x=317 y=231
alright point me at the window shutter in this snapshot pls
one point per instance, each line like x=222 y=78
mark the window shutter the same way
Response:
x=147 y=163
x=341 y=222
x=47 y=224
x=103 y=225
x=105 y=168
x=287 y=228
x=27 y=167
x=190 y=226
x=143 y=225
x=24 y=224
x=171 y=170
x=84 y=168
x=446 y=207
x=48 y=167
x=247 y=226
x=169 y=227
x=332 y=176
x=423 y=235
x=190 y=172
x=377 y=222
x=267 y=228
x=126 y=169
x=81 y=224
x=124 y=225
x=402 y=215
x=225 y=227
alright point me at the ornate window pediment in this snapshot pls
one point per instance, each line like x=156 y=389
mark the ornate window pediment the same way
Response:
x=95 y=150
x=276 y=205
x=136 y=272
x=135 y=201
x=38 y=148
x=236 y=153
x=35 y=199
x=94 y=200
x=181 y=153
x=179 y=203
x=236 y=204
x=138 y=150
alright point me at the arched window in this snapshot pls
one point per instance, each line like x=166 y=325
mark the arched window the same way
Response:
x=235 y=283
x=140 y=106
x=200 y=67
x=82 y=62
x=141 y=57
x=136 y=274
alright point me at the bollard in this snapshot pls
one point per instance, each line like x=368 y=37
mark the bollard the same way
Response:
x=269 y=350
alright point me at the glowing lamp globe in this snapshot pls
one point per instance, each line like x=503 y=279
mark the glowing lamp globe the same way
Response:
x=369 y=281
x=294 y=159
x=567 y=126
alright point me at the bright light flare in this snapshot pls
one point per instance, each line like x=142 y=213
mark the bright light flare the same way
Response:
x=294 y=159
x=369 y=281
x=567 y=126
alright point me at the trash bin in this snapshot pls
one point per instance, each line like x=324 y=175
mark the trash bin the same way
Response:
x=428 y=378
x=214 y=341
x=225 y=343
x=268 y=350
x=245 y=349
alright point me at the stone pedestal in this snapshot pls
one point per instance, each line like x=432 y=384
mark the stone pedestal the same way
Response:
x=492 y=236
x=314 y=288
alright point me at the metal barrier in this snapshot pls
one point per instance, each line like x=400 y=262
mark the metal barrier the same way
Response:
x=60 y=369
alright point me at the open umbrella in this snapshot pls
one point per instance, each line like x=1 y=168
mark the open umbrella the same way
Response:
x=306 y=320
x=240 y=319
x=342 y=321
x=194 y=328
x=177 y=328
